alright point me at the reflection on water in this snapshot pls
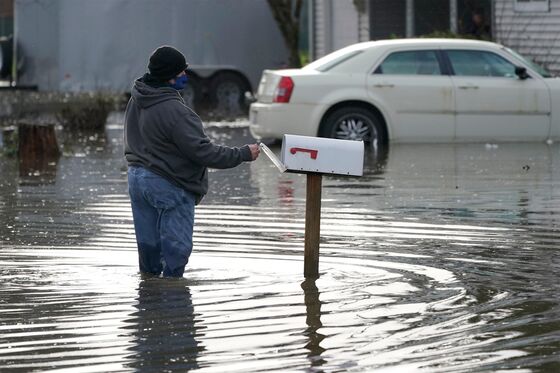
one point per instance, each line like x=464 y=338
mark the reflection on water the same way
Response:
x=163 y=327
x=440 y=258
x=313 y=321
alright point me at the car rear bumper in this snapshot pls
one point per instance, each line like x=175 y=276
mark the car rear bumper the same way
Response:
x=274 y=120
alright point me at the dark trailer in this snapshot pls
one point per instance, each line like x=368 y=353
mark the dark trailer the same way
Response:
x=102 y=45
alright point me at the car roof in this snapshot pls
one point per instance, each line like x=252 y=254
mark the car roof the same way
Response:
x=388 y=44
x=426 y=42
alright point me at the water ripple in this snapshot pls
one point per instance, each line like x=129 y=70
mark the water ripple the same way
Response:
x=454 y=277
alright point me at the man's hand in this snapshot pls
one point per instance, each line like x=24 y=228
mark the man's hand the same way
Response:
x=255 y=151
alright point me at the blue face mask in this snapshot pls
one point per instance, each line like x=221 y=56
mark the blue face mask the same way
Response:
x=180 y=82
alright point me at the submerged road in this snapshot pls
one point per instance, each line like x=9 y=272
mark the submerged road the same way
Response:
x=440 y=258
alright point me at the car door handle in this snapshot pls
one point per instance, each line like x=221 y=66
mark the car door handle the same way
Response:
x=383 y=85
x=470 y=86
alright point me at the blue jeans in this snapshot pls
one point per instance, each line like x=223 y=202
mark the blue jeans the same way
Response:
x=163 y=221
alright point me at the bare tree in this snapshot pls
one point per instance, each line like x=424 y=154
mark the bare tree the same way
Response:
x=287 y=15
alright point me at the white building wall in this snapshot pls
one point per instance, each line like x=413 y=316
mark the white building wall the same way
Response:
x=534 y=34
x=345 y=23
x=336 y=24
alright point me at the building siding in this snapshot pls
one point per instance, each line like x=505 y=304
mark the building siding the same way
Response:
x=533 y=34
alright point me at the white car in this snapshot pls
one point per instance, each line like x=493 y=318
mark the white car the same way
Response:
x=411 y=90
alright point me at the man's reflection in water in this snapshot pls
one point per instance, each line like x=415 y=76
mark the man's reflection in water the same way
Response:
x=165 y=327
x=313 y=320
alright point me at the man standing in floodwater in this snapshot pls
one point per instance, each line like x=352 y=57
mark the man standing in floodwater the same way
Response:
x=168 y=154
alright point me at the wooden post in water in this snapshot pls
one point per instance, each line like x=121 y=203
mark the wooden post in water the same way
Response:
x=312 y=225
x=37 y=151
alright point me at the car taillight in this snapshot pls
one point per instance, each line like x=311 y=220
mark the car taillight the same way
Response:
x=284 y=90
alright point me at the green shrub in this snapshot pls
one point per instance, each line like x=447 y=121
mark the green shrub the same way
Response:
x=304 y=57
x=86 y=111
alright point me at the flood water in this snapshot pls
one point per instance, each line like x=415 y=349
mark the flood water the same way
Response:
x=441 y=258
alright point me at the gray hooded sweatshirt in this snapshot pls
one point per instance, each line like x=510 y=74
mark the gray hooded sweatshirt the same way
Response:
x=165 y=136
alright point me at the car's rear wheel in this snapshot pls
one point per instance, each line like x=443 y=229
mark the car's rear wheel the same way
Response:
x=354 y=123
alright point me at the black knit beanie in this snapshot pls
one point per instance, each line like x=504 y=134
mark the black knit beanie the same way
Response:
x=166 y=63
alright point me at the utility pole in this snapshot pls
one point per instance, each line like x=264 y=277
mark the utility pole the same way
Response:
x=410 y=18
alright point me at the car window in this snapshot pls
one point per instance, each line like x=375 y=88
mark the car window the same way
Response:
x=480 y=63
x=337 y=61
x=541 y=70
x=423 y=62
x=333 y=59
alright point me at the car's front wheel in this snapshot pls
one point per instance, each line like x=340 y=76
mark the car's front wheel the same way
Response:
x=354 y=123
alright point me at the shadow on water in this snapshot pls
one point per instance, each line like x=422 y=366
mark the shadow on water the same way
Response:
x=440 y=258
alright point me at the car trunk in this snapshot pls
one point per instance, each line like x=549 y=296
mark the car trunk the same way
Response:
x=270 y=79
x=267 y=86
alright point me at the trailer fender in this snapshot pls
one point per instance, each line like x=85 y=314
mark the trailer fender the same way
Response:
x=227 y=91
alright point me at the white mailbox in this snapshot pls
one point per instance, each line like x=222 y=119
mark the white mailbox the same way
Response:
x=322 y=155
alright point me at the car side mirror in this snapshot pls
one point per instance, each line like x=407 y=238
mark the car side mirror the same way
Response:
x=521 y=72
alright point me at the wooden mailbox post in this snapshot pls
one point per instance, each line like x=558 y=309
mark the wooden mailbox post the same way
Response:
x=316 y=156
x=312 y=225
